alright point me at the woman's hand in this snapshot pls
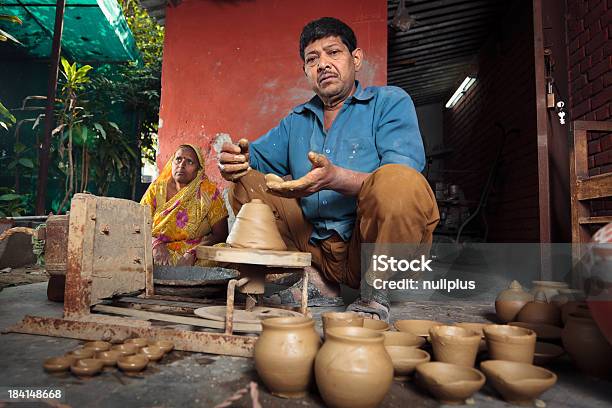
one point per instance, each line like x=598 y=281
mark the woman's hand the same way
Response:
x=186 y=260
x=161 y=256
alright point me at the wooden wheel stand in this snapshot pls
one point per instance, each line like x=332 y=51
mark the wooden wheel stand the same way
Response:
x=109 y=256
x=254 y=264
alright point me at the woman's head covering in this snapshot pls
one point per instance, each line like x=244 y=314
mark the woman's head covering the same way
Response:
x=166 y=172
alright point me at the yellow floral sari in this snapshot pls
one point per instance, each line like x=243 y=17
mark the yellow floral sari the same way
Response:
x=182 y=221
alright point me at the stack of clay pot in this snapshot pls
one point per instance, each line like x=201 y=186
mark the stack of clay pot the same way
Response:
x=255 y=227
x=131 y=356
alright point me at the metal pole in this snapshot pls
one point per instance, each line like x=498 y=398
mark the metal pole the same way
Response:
x=43 y=154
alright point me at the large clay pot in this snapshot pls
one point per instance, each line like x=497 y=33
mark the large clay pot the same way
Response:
x=510 y=301
x=285 y=354
x=540 y=312
x=587 y=347
x=255 y=227
x=352 y=368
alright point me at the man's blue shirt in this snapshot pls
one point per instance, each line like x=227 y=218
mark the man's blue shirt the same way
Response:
x=375 y=126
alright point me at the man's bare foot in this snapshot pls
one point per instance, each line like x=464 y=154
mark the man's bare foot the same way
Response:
x=370 y=309
x=320 y=292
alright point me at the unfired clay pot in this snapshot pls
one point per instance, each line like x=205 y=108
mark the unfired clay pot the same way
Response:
x=405 y=360
x=255 y=227
x=449 y=383
x=586 y=345
x=153 y=353
x=133 y=363
x=546 y=353
x=98 y=345
x=540 y=311
x=353 y=368
x=126 y=349
x=285 y=353
x=571 y=307
x=340 y=319
x=403 y=339
x=542 y=331
x=166 y=345
x=376 y=325
x=81 y=353
x=416 y=327
x=455 y=345
x=57 y=364
x=549 y=288
x=140 y=342
x=87 y=366
x=510 y=301
x=109 y=358
x=477 y=327
x=518 y=383
x=510 y=343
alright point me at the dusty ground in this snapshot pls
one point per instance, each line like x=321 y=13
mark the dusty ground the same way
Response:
x=22 y=276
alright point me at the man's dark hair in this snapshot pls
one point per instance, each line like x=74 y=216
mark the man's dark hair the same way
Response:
x=327 y=27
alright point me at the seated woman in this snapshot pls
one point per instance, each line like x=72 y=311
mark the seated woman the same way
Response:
x=187 y=209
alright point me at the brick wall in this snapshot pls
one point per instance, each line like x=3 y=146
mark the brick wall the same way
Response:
x=590 y=77
x=504 y=93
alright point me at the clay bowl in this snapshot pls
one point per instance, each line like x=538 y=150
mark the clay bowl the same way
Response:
x=166 y=345
x=416 y=327
x=87 y=366
x=510 y=343
x=546 y=352
x=136 y=362
x=402 y=339
x=126 y=349
x=81 y=353
x=108 y=357
x=518 y=383
x=455 y=345
x=341 y=319
x=543 y=331
x=58 y=364
x=138 y=341
x=153 y=353
x=376 y=325
x=449 y=383
x=98 y=345
x=405 y=360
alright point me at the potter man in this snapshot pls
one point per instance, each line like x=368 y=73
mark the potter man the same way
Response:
x=357 y=153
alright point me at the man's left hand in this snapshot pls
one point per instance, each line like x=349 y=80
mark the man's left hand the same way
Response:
x=321 y=177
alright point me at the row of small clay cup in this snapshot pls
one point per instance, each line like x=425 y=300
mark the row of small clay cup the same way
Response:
x=133 y=355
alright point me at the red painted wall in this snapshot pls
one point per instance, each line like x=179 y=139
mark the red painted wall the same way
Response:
x=590 y=78
x=504 y=93
x=233 y=67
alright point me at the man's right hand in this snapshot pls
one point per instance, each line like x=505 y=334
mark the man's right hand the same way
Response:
x=234 y=160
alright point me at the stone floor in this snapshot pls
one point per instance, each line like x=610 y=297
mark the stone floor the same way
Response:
x=200 y=380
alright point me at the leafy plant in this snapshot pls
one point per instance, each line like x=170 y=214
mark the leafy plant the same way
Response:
x=13 y=204
x=6 y=118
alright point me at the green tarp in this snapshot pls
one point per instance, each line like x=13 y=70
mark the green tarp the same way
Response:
x=94 y=30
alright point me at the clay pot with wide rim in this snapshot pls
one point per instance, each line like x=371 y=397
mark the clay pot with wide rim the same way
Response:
x=403 y=339
x=449 y=383
x=510 y=343
x=586 y=345
x=455 y=345
x=340 y=319
x=518 y=383
x=285 y=354
x=510 y=301
x=540 y=312
x=353 y=368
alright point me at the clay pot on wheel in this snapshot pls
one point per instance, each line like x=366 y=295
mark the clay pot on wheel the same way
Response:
x=540 y=311
x=510 y=301
x=255 y=227
x=586 y=345
x=353 y=368
x=285 y=353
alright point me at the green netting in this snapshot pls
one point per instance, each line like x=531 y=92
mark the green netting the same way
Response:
x=94 y=30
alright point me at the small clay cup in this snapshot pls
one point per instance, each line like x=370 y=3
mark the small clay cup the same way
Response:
x=87 y=367
x=510 y=343
x=405 y=360
x=153 y=353
x=540 y=312
x=454 y=345
x=546 y=353
x=543 y=331
x=476 y=327
x=416 y=327
x=109 y=358
x=403 y=339
x=166 y=345
x=133 y=363
x=138 y=341
x=518 y=383
x=376 y=325
x=81 y=353
x=58 y=364
x=341 y=319
x=98 y=345
x=126 y=349
x=449 y=383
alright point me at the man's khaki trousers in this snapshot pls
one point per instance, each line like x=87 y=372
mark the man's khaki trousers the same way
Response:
x=395 y=205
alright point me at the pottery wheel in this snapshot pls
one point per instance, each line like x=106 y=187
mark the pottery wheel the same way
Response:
x=256 y=315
